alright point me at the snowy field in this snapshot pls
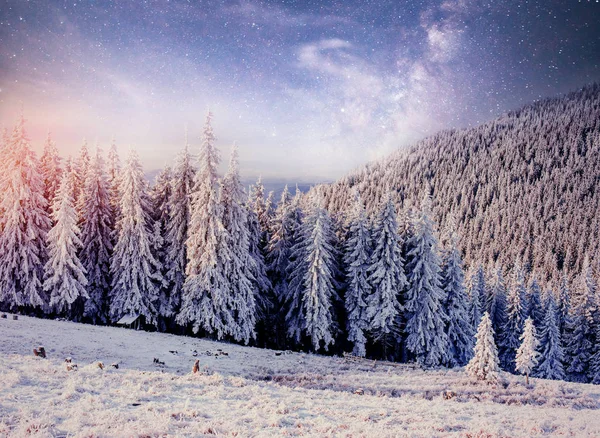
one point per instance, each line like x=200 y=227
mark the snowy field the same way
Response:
x=246 y=392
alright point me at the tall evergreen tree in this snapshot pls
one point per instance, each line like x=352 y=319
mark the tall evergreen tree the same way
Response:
x=51 y=171
x=160 y=199
x=114 y=182
x=135 y=271
x=80 y=170
x=263 y=293
x=477 y=296
x=312 y=288
x=484 y=365
x=386 y=277
x=534 y=303
x=564 y=303
x=526 y=358
x=177 y=226
x=97 y=241
x=497 y=305
x=461 y=334
x=426 y=317
x=357 y=260
x=551 y=350
x=64 y=275
x=516 y=310
x=236 y=252
x=262 y=212
x=24 y=224
x=283 y=228
x=580 y=327
x=205 y=291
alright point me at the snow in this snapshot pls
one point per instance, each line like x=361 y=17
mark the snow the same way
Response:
x=256 y=392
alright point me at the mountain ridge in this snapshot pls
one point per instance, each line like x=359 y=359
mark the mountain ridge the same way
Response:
x=538 y=159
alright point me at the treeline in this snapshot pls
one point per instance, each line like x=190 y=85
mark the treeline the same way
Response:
x=522 y=186
x=93 y=242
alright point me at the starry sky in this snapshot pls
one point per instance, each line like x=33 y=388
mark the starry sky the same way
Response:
x=308 y=89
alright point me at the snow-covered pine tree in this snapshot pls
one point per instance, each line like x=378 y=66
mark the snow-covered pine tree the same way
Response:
x=426 y=317
x=461 y=334
x=484 y=365
x=114 y=181
x=564 y=303
x=51 y=171
x=580 y=326
x=64 y=275
x=80 y=170
x=235 y=252
x=277 y=259
x=177 y=226
x=357 y=259
x=497 y=305
x=96 y=236
x=312 y=288
x=160 y=197
x=534 y=303
x=278 y=250
x=135 y=271
x=24 y=224
x=263 y=292
x=204 y=296
x=527 y=356
x=262 y=213
x=516 y=310
x=386 y=277
x=551 y=350
x=477 y=296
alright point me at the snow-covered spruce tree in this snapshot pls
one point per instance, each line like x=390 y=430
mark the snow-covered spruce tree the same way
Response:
x=497 y=305
x=426 y=317
x=177 y=226
x=580 y=327
x=24 y=224
x=484 y=364
x=160 y=197
x=114 y=181
x=551 y=350
x=312 y=287
x=357 y=259
x=262 y=213
x=263 y=291
x=135 y=271
x=534 y=303
x=51 y=171
x=278 y=250
x=277 y=260
x=64 y=275
x=236 y=255
x=204 y=302
x=96 y=236
x=461 y=334
x=564 y=303
x=477 y=296
x=516 y=310
x=386 y=277
x=527 y=356
x=80 y=170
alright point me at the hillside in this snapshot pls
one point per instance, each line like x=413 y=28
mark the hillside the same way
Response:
x=256 y=392
x=524 y=185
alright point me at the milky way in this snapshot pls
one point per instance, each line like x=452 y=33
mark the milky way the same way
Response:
x=307 y=89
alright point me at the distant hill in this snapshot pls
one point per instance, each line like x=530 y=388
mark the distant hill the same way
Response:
x=526 y=184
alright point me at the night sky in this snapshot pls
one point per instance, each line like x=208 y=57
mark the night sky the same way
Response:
x=308 y=89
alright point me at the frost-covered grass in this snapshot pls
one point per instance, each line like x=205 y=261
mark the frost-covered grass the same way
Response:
x=254 y=392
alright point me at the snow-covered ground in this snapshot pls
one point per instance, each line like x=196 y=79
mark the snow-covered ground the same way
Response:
x=253 y=392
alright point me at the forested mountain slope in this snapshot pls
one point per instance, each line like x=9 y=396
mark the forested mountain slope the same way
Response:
x=523 y=185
